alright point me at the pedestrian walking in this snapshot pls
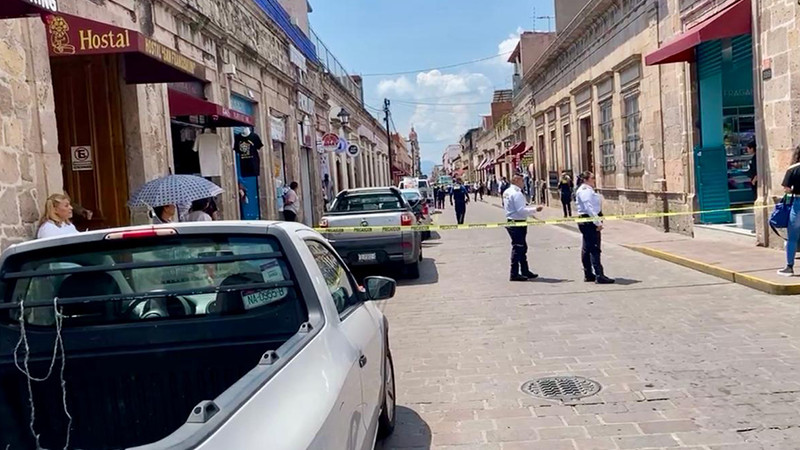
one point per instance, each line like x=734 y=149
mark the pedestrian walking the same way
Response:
x=589 y=205
x=504 y=185
x=791 y=185
x=440 y=194
x=752 y=170
x=565 y=187
x=482 y=189
x=290 y=206
x=545 y=200
x=475 y=190
x=459 y=197
x=516 y=211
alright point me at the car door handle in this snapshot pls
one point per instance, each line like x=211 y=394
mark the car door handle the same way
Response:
x=362 y=361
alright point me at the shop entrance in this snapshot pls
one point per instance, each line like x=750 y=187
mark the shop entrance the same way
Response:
x=90 y=136
x=723 y=166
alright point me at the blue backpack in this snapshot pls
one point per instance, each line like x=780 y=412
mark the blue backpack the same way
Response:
x=780 y=215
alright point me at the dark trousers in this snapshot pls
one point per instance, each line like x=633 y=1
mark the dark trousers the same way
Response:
x=461 y=211
x=476 y=196
x=519 y=249
x=289 y=216
x=440 y=203
x=590 y=251
x=566 y=205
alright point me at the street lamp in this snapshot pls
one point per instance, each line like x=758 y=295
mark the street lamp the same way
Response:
x=344 y=117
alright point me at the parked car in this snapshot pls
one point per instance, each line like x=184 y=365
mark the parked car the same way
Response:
x=421 y=208
x=381 y=206
x=420 y=184
x=223 y=335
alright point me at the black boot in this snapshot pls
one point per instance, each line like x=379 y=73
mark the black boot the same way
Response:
x=589 y=277
x=526 y=271
x=602 y=279
x=515 y=276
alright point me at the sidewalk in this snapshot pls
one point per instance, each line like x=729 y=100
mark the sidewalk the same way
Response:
x=718 y=254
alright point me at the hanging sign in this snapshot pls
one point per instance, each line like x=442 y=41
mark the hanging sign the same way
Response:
x=353 y=150
x=330 y=142
x=277 y=129
x=81 y=158
x=342 y=147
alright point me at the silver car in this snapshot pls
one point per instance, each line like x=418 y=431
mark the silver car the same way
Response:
x=212 y=335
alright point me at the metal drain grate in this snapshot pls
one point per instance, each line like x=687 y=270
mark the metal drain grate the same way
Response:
x=561 y=388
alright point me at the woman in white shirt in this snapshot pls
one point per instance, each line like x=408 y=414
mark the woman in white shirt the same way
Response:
x=56 y=220
x=197 y=213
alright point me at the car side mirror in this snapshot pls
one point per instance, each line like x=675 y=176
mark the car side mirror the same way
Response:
x=379 y=288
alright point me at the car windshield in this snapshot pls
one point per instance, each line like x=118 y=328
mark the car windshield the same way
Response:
x=423 y=185
x=139 y=279
x=368 y=202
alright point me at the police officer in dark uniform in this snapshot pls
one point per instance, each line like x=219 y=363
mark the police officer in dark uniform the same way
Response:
x=459 y=197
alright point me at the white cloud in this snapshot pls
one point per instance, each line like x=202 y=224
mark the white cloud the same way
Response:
x=400 y=86
x=509 y=44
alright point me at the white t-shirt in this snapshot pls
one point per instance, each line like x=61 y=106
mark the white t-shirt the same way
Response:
x=207 y=147
x=50 y=229
x=197 y=216
x=291 y=201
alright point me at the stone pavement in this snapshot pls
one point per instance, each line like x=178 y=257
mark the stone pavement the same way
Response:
x=685 y=360
x=722 y=254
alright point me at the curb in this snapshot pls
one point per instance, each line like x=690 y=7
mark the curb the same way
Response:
x=726 y=274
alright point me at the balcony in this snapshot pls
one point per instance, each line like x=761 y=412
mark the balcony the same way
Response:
x=335 y=69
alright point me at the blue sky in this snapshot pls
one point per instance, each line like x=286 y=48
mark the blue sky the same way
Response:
x=390 y=36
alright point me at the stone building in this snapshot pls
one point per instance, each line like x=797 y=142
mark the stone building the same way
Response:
x=596 y=106
x=98 y=98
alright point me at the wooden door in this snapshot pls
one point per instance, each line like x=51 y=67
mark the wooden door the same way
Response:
x=88 y=114
x=587 y=144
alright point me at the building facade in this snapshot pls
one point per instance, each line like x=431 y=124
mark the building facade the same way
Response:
x=160 y=75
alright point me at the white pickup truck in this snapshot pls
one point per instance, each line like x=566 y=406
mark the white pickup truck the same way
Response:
x=205 y=335
x=370 y=207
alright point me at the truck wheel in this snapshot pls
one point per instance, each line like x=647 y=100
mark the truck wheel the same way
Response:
x=386 y=420
x=412 y=270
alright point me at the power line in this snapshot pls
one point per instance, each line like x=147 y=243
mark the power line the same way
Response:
x=450 y=66
x=442 y=104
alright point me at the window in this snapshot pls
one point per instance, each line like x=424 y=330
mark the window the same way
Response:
x=553 y=151
x=368 y=202
x=567 y=136
x=167 y=279
x=336 y=276
x=607 y=136
x=633 y=147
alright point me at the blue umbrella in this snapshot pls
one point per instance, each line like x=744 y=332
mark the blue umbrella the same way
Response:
x=174 y=190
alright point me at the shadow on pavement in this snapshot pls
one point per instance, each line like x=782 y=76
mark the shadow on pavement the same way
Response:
x=410 y=431
x=626 y=281
x=428 y=273
x=550 y=280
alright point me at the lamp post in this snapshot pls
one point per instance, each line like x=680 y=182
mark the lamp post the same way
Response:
x=344 y=118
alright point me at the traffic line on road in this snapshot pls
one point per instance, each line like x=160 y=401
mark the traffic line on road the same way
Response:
x=534 y=222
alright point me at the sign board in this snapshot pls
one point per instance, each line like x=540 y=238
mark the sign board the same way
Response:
x=81 y=158
x=277 y=129
x=342 y=146
x=353 y=150
x=305 y=103
x=330 y=142
x=50 y=5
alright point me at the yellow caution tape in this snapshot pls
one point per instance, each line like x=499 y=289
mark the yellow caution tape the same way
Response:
x=534 y=222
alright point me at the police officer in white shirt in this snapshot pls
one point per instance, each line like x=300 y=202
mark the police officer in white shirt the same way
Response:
x=589 y=205
x=517 y=210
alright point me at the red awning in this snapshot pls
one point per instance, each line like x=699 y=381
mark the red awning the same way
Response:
x=12 y=9
x=184 y=105
x=146 y=61
x=734 y=20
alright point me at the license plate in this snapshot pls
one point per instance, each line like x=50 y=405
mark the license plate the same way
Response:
x=366 y=257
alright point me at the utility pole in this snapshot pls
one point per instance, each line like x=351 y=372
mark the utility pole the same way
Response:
x=386 y=104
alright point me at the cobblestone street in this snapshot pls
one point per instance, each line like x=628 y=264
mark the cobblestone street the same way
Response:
x=684 y=359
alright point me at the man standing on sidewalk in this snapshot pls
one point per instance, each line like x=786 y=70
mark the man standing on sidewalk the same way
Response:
x=514 y=203
x=589 y=206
